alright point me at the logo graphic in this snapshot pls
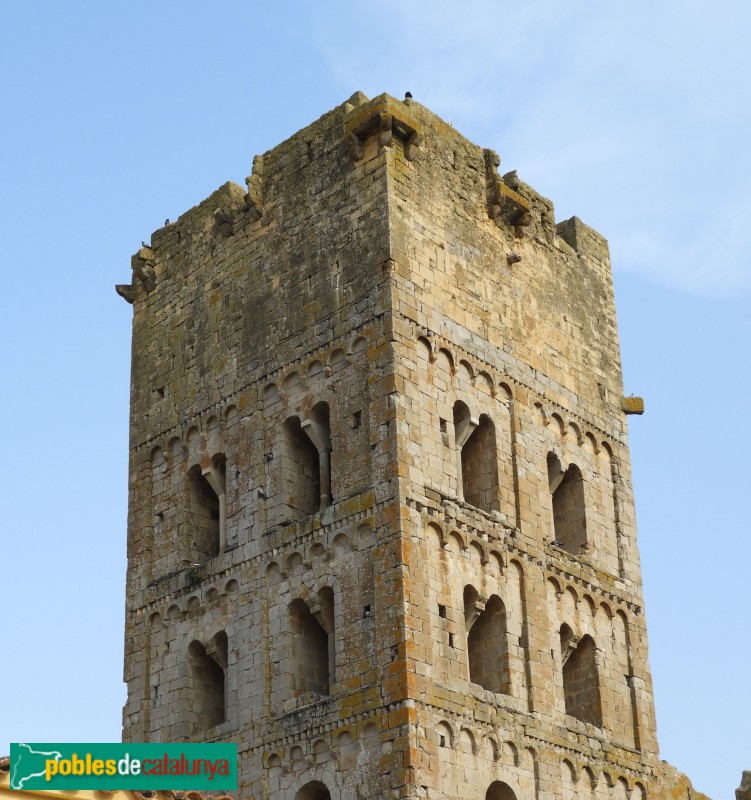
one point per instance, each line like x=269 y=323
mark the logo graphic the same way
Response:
x=179 y=767
x=29 y=763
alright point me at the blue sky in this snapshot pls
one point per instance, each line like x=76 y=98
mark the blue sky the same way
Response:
x=632 y=115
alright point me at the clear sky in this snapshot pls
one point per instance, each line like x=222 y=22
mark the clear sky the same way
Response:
x=632 y=115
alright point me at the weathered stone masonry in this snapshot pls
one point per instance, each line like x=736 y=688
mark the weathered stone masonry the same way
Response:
x=381 y=526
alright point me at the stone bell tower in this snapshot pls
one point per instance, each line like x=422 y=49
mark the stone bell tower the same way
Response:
x=381 y=526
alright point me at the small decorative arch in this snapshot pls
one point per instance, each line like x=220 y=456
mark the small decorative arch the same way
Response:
x=444 y=735
x=444 y=360
x=570 y=769
x=424 y=349
x=477 y=551
x=590 y=605
x=464 y=373
x=231 y=415
x=321 y=751
x=485 y=383
x=466 y=736
x=591 y=778
x=294 y=564
x=591 y=443
x=455 y=539
x=337 y=359
x=639 y=792
x=512 y=751
x=292 y=382
x=557 y=421
x=365 y=535
x=496 y=561
x=314 y=368
x=273 y=573
x=317 y=551
x=342 y=544
x=174 y=447
x=273 y=760
x=271 y=394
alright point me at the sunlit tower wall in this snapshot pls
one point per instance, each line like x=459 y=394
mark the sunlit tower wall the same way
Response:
x=381 y=529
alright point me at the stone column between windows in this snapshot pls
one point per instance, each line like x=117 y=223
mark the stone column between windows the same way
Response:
x=319 y=435
x=217 y=483
x=463 y=429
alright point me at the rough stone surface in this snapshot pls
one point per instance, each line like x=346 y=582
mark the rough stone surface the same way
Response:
x=381 y=524
x=743 y=792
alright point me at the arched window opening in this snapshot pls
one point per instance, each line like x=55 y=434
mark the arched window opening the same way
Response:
x=206 y=489
x=480 y=467
x=207 y=669
x=569 y=519
x=581 y=686
x=499 y=791
x=315 y=790
x=313 y=631
x=487 y=643
x=301 y=471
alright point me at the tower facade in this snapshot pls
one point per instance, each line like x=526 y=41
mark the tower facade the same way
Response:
x=381 y=527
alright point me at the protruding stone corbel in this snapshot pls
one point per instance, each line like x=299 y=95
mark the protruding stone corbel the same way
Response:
x=387 y=118
x=226 y=221
x=127 y=291
x=142 y=267
x=505 y=206
x=412 y=145
x=356 y=145
x=385 y=129
x=142 y=264
x=254 y=196
x=632 y=405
